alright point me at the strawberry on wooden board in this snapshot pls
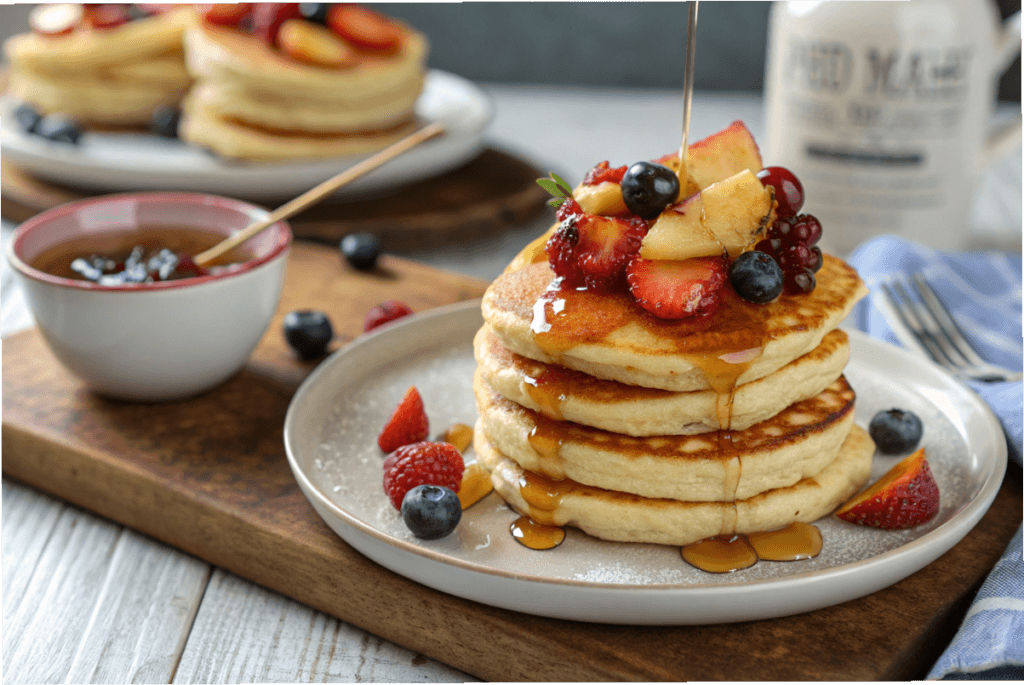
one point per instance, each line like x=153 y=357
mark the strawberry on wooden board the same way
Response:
x=306 y=42
x=55 y=20
x=230 y=15
x=906 y=496
x=267 y=18
x=672 y=289
x=364 y=28
x=408 y=423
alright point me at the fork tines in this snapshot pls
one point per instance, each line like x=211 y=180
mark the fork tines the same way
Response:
x=934 y=327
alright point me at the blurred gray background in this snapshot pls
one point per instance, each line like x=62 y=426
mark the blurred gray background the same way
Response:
x=635 y=44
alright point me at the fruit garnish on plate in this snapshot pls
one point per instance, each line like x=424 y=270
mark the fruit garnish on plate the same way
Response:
x=895 y=431
x=407 y=424
x=421 y=463
x=313 y=44
x=385 y=312
x=906 y=496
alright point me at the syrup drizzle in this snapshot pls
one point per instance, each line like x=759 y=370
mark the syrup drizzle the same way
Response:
x=476 y=484
x=536 y=535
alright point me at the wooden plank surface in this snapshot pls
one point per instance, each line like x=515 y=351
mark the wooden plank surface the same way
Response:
x=214 y=470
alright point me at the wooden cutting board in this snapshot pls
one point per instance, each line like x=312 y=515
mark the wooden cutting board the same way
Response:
x=209 y=475
x=493 y=193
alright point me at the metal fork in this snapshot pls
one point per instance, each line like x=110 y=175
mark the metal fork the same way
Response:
x=933 y=326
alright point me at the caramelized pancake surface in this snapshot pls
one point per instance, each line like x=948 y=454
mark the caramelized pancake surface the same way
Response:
x=719 y=466
x=618 y=516
x=564 y=394
x=609 y=336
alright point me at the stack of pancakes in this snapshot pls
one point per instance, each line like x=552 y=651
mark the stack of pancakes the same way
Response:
x=597 y=415
x=250 y=102
x=111 y=77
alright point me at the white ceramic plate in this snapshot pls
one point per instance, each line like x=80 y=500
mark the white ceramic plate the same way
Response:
x=330 y=437
x=138 y=161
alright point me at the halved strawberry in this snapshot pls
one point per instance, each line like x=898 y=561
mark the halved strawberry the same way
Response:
x=677 y=289
x=364 y=28
x=602 y=173
x=267 y=18
x=230 y=15
x=312 y=44
x=408 y=423
x=906 y=496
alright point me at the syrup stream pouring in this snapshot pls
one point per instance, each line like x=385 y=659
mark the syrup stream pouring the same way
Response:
x=317 y=193
x=691 y=55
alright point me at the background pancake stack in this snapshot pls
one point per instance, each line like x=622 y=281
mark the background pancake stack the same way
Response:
x=103 y=76
x=597 y=415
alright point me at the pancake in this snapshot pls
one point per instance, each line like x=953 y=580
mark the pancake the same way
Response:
x=617 y=516
x=563 y=394
x=796 y=443
x=251 y=102
x=109 y=77
x=607 y=335
x=244 y=141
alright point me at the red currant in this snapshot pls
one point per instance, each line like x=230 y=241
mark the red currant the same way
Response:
x=789 y=193
x=799 y=281
x=795 y=257
x=769 y=246
x=818 y=259
x=806 y=229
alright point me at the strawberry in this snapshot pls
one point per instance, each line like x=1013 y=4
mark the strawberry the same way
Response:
x=601 y=174
x=422 y=463
x=267 y=18
x=312 y=44
x=55 y=20
x=364 y=28
x=593 y=250
x=677 y=289
x=230 y=15
x=906 y=496
x=385 y=312
x=408 y=423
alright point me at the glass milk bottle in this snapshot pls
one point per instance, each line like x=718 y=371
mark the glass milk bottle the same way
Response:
x=882 y=111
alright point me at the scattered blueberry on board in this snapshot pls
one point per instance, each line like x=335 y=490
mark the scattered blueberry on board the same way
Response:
x=315 y=12
x=756 y=277
x=895 y=431
x=309 y=332
x=59 y=128
x=361 y=250
x=648 y=188
x=431 y=511
x=27 y=117
x=164 y=121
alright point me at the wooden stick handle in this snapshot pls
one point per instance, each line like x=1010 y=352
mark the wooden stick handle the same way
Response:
x=314 y=195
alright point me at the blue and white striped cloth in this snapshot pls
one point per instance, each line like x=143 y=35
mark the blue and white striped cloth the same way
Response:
x=984 y=292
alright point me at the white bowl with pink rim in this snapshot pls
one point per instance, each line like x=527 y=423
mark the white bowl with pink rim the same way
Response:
x=153 y=341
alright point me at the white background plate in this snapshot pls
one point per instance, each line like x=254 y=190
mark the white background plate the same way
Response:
x=137 y=161
x=330 y=437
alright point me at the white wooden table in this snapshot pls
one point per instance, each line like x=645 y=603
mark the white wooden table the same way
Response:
x=89 y=601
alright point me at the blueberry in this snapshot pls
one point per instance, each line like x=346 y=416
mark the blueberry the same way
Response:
x=315 y=12
x=309 y=332
x=361 y=249
x=164 y=121
x=59 y=128
x=27 y=117
x=895 y=431
x=648 y=188
x=756 y=277
x=431 y=511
